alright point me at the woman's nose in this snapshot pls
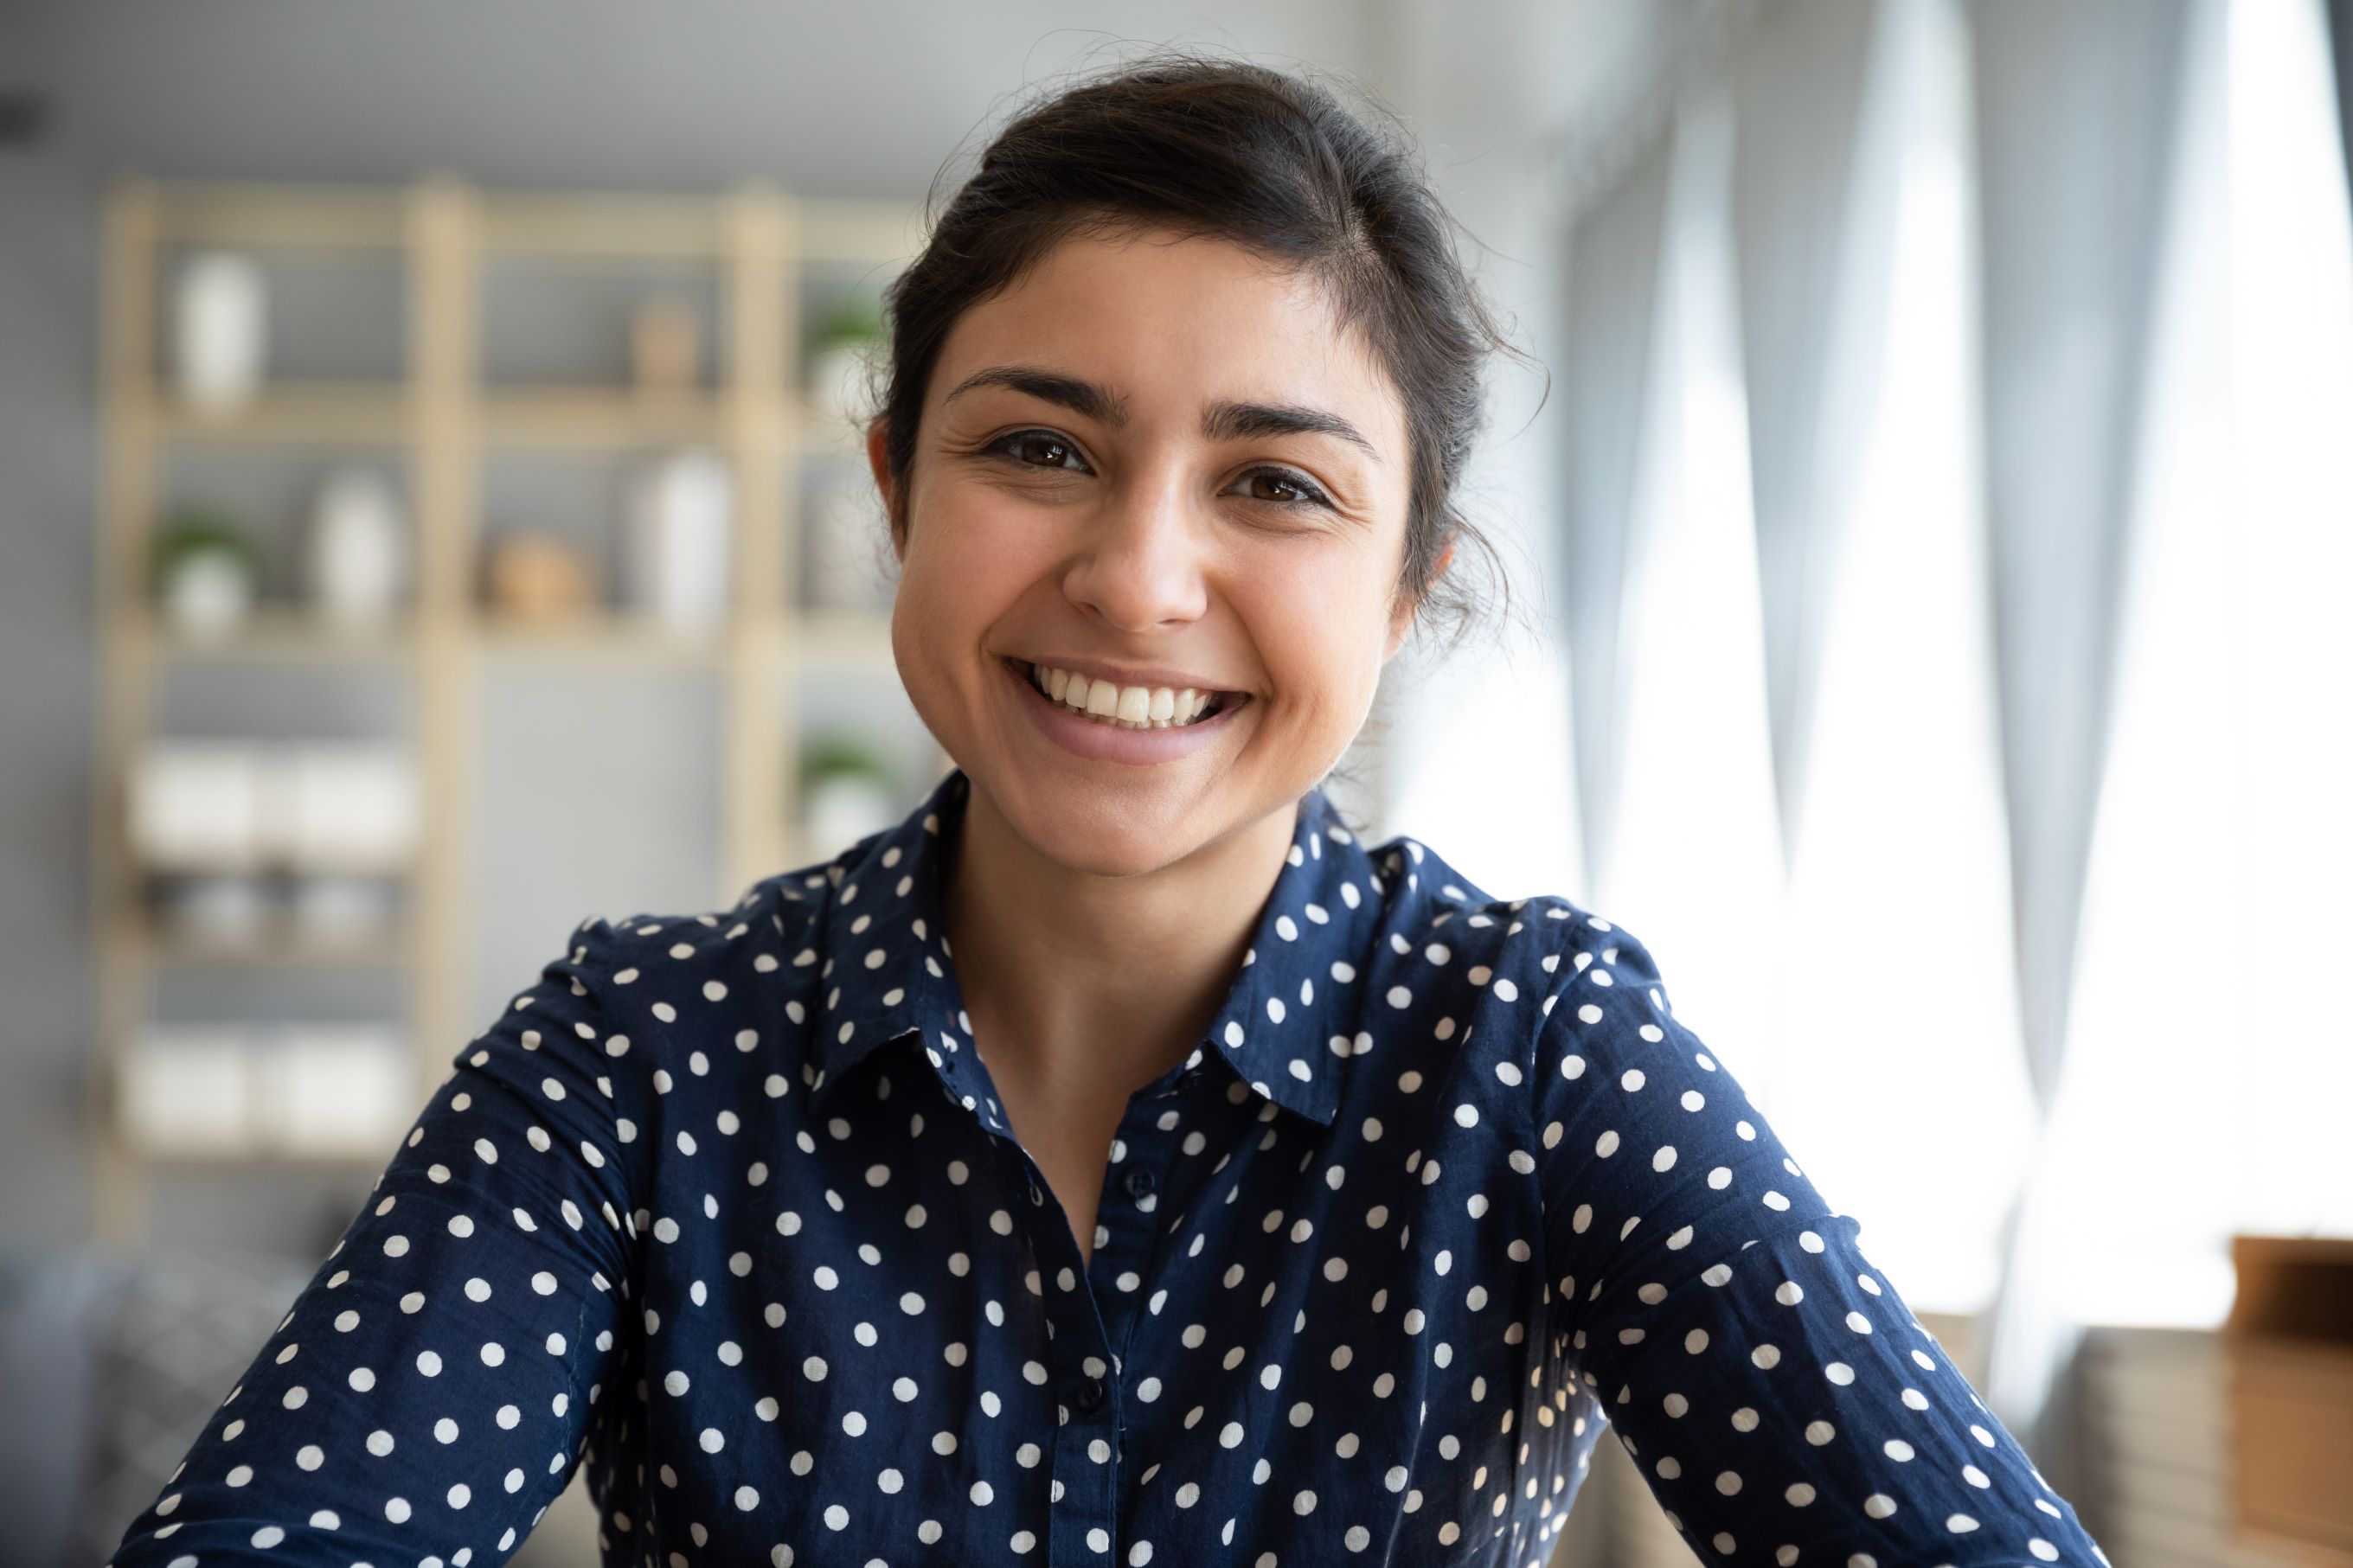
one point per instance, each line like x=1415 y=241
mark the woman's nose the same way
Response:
x=1140 y=563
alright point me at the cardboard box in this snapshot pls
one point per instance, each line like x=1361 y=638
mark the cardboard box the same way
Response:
x=2289 y=1341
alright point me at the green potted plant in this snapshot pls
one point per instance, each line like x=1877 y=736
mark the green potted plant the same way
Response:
x=207 y=572
x=848 y=791
x=841 y=349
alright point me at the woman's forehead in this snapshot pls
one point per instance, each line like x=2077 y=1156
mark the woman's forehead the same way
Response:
x=1171 y=324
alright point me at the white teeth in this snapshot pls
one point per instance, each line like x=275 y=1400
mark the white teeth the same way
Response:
x=1128 y=707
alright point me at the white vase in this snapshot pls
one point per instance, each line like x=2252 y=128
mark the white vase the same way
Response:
x=838 y=379
x=220 y=323
x=220 y=911
x=844 y=561
x=840 y=809
x=338 y=912
x=357 y=551
x=199 y=805
x=186 y=1088
x=678 y=542
x=207 y=594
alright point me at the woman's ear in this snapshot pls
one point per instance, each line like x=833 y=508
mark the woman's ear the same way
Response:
x=878 y=458
x=1401 y=618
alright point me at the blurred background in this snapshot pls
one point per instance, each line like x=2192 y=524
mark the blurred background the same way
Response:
x=427 y=518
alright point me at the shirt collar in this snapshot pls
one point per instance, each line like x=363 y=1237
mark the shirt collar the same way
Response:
x=1283 y=1028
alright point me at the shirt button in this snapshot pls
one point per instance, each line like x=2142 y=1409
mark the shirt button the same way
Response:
x=1139 y=1184
x=1090 y=1393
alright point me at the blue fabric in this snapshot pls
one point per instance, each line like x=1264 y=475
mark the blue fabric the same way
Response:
x=726 y=1207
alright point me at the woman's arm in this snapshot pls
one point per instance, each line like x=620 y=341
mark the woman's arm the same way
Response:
x=1770 y=1385
x=430 y=1391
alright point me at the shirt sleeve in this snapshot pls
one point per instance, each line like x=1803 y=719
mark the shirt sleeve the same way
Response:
x=437 y=1381
x=1775 y=1392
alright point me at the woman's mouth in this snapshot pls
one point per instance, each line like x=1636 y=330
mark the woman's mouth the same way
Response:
x=1125 y=706
x=1107 y=722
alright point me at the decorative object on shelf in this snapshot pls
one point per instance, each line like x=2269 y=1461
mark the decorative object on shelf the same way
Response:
x=184 y=1089
x=220 y=324
x=841 y=350
x=356 y=554
x=349 y=807
x=665 y=347
x=844 y=557
x=848 y=791
x=535 y=576
x=207 y=574
x=219 y=911
x=319 y=1091
x=199 y=806
x=329 y=1090
x=2288 y=1354
x=193 y=833
x=678 y=546
x=342 y=913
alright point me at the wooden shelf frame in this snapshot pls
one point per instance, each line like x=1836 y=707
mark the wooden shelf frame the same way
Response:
x=443 y=422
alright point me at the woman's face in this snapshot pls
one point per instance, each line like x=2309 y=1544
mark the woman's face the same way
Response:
x=1157 y=464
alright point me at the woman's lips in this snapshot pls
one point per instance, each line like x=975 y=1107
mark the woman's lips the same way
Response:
x=1101 y=741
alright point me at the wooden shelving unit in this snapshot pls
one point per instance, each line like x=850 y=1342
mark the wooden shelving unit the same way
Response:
x=441 y=420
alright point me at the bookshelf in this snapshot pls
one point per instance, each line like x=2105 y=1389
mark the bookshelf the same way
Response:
x=443 y=416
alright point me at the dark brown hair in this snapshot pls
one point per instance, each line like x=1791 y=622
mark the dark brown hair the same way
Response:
x=1222 y=148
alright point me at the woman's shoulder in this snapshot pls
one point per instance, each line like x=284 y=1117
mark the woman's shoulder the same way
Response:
x=655 y=993
x=1542 y=943
x=775 y=925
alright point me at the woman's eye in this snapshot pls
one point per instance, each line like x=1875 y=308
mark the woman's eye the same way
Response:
x=1044 y=449
x=1281 y=488
x=1036 y=448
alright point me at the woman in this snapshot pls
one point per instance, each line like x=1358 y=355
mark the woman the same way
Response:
x=1118 y=1160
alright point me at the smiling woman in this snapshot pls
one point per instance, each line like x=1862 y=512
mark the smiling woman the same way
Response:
x=1118 y=1158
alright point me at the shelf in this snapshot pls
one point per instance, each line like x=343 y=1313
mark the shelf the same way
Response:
x=603 y=637
x=176 y=952
x=860 y=639
x=596 y=228
x=283 y=634
x=278 y=864
x=328 y=413
x=259 y=1158
x=856 y=232
x=283 y=217
x=596 y=416
x=461 y=415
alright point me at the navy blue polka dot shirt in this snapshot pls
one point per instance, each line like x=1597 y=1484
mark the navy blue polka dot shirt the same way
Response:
x=725 y=1208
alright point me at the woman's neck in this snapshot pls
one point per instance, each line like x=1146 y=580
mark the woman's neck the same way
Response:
x=1089 y=986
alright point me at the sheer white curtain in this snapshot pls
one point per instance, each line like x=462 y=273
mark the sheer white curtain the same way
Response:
x=1605 y=378
x=2075 y=124
x=1960 y=503
x=2206 y=1094
x=1692 y=864
x=1785 y=725
x=1961 y=506
x=1904 y=1078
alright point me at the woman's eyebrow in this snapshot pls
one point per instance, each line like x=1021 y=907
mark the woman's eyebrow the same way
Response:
x=1222 y=421
x=1079 y=397
x=1244 y=421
